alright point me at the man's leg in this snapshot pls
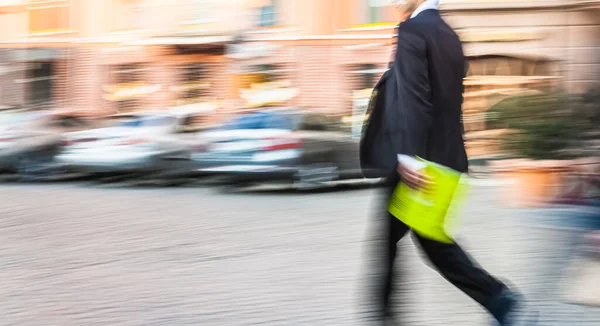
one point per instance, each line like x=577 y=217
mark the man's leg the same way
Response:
x=382 y=254
x=460 y=270
x=396 y=230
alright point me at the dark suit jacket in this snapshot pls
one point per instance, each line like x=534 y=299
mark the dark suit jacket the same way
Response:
x=430 y=68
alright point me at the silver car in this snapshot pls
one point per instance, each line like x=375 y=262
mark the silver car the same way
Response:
x=295 y=146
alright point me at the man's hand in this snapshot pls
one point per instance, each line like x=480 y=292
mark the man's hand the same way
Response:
x=414 y=179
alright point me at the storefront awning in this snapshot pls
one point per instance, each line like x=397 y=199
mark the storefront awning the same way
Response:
x=39 y=54
x=183 y=40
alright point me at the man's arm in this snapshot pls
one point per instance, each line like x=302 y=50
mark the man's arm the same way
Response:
x=414 y=92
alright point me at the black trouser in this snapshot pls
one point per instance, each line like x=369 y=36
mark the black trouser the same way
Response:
x=450 y=260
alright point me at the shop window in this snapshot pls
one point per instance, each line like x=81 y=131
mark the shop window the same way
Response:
x=194 y=85
x=49 y=16
x=128 y=105
x=364 y=76
x=269 y=71
x=265 y=73
x=128 y=79
x=129 y=73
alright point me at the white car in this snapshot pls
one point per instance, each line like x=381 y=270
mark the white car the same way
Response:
x=143 y=142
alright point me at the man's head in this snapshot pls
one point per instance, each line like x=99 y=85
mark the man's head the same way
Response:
x=407 y=5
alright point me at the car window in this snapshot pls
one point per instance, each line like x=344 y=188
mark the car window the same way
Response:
x=141 y=121
x=194 y=123
x=19 y=118
x=156 y=121
x=261 y=120
x=132 y=122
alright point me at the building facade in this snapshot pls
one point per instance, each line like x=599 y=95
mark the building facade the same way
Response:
x=120 y=55
x=115 y=55
x=512 y=47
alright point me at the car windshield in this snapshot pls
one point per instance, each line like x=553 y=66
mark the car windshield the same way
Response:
x=12 y=118
x=261 y=120
x=148 y=121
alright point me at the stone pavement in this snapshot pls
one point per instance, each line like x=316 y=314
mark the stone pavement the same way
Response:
x=75 y=254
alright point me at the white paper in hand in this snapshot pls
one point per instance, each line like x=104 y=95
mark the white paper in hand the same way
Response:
x=411 y=162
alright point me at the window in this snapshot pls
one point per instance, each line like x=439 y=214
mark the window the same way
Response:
x=365 y=76
x=128 y=74
x=40 y=83
x=194 y=86
x=145 y=121
x=267 y=15
x=265 y=73
x=49 y=16
x=269 y=71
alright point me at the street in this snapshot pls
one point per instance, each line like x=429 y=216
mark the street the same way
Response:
x=81 y=254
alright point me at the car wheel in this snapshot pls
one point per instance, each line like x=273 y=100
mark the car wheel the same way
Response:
x=177 y=182
x=26 y=166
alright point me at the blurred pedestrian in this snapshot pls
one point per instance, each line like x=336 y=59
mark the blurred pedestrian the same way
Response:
x=430 y=66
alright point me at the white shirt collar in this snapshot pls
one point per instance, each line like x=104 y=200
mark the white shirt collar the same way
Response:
x=428 y=4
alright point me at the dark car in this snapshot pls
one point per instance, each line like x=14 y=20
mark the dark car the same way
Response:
x=304 y=148
x=28 y=142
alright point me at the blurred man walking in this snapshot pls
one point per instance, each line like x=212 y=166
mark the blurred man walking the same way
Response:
x=430 y=66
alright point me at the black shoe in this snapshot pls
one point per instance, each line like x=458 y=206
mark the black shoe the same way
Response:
x=519 y=313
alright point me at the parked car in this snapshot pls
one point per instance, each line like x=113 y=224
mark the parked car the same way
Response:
x=290 y=145
x=28 y=142
x=132 y=144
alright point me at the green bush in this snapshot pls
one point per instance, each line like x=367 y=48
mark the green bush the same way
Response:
x=546 y=125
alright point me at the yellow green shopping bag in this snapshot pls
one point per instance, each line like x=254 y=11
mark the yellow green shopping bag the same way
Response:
x=433 y=213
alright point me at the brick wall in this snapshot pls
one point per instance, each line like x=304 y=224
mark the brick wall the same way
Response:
x=324 y=74
x=78 y=79
x=12 y=93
